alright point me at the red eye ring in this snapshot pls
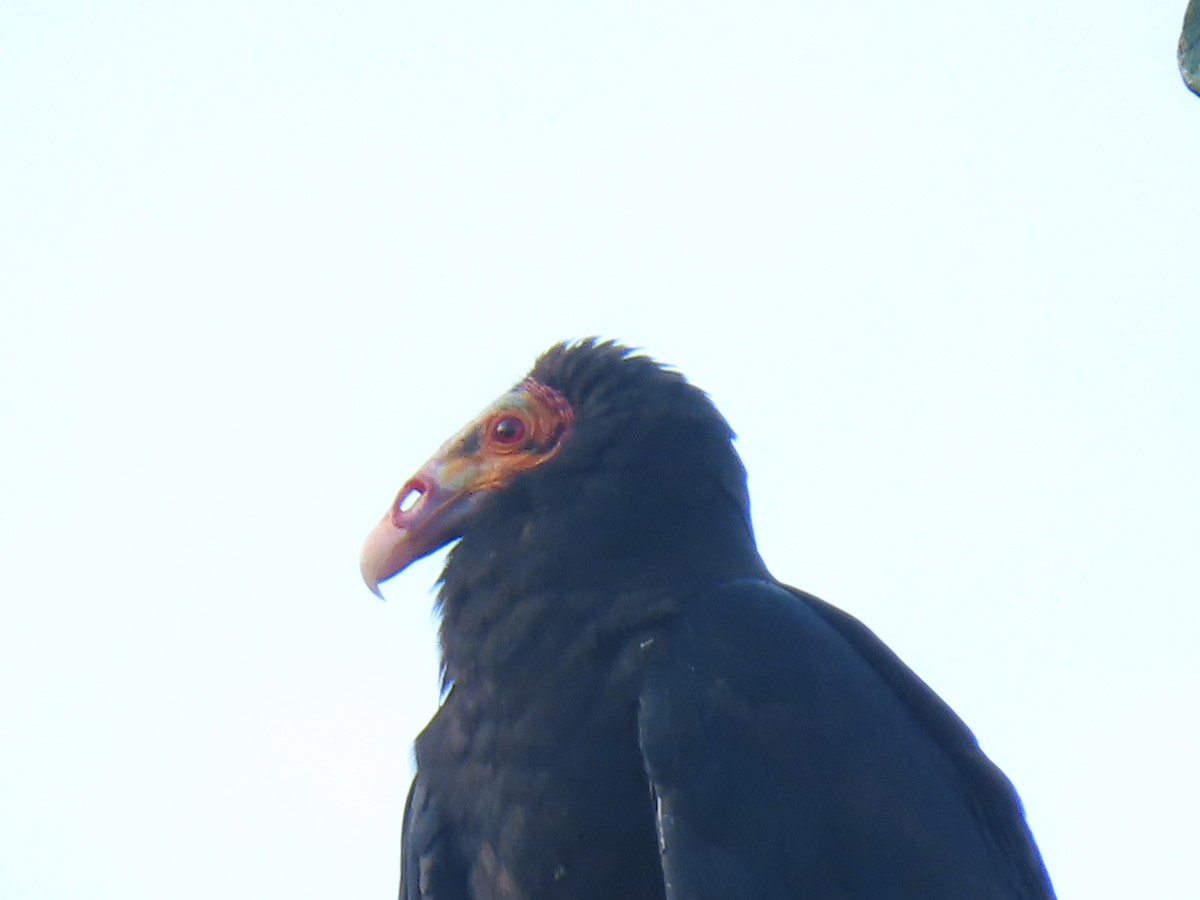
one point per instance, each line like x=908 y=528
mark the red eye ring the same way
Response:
x=508 y=430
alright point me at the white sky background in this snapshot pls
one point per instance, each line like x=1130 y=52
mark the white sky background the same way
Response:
x=936 y=262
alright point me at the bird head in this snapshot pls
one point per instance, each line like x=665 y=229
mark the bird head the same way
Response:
x=598 y=457
x=523 y=429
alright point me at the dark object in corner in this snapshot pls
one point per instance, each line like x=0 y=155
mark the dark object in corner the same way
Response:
x=1189 y=47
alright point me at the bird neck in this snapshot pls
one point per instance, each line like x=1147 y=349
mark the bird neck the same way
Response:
x=520 y=590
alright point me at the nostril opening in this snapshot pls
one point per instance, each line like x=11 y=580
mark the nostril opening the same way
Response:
x=410 y=496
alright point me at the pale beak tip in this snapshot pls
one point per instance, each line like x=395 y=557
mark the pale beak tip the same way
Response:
x=377 y=552
x=370 y=577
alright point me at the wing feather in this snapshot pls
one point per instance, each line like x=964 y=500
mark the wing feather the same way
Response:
x=791 y=754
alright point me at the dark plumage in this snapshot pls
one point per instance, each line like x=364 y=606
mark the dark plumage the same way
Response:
x=636 y=709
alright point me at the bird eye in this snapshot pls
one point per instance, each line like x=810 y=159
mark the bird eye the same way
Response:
x=508 y=430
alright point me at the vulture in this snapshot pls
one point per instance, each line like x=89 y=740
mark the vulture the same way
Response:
x=633 y=708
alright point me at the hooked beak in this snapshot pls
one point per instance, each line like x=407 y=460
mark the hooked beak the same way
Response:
x=426 y=515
